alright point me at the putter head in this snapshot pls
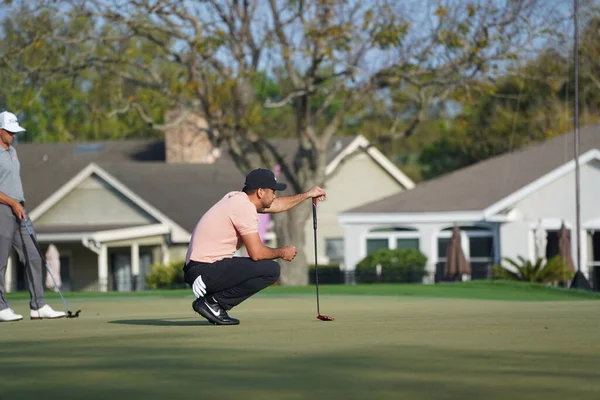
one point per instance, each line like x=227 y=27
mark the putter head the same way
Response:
x=71 y=315
x=325 y=318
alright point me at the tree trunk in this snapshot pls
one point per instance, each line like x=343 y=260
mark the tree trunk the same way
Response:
x=289 y=228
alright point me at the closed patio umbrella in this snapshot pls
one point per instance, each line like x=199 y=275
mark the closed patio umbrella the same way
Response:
x=53 y=261
x=564 y=246
x=456 y=262
x=541 y=241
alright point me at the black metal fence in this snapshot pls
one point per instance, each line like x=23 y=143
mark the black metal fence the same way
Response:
x=479 y=271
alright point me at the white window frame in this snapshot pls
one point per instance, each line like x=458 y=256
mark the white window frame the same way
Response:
x=391 y=237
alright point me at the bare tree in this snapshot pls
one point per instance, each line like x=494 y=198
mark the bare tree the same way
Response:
x=330 y=57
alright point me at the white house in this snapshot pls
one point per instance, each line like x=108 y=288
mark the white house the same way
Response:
x=498 y=203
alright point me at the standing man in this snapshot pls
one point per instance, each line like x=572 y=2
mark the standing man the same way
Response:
x=220 y=280
x=12 y=231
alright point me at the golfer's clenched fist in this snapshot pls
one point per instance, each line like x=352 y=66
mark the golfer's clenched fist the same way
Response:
x=289 y=252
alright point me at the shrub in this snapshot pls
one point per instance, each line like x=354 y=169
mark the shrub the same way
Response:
x=552 y=271
x=400 y=265
x=328 y=273
x=166 y=276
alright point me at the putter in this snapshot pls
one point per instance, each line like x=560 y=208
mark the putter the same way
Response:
x=319 y=316
x=35 y=243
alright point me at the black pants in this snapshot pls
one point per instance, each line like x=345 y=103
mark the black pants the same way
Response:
x=232 y=280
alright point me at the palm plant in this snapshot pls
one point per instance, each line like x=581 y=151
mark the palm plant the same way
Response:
x=548 y=272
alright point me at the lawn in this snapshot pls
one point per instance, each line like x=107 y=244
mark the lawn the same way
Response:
x=387 y=342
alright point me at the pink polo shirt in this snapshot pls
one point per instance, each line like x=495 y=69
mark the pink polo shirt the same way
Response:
x=219 y=232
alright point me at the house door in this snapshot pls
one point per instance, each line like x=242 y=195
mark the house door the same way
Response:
x=121 y=272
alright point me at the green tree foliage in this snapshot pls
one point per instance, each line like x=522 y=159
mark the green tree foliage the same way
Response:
x=526 y=106
x=530 y=102
x=43 y=79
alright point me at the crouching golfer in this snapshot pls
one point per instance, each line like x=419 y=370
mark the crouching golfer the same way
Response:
x=221 y=281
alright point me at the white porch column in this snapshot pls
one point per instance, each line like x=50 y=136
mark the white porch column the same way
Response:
x=354 y=246
x=103 y=269
x=165 y=254
x=497 y=248
x=135 y=264
x=9 y=275
x=428 y=245
x=585 y=266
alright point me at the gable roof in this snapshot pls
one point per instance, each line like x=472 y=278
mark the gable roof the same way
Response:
x=479 y=186
x=179 y=234
x=341 y=147
x=45 y=167
x=181 y=193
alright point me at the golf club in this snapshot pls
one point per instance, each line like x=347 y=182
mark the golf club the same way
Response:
x=69 y=313
x=319 y=316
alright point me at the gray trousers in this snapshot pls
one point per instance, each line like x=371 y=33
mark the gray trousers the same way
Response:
x=14 y=235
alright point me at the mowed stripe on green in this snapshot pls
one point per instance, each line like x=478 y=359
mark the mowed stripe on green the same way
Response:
x=378 y=347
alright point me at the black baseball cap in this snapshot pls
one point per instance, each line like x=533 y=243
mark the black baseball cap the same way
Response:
x=263 y=179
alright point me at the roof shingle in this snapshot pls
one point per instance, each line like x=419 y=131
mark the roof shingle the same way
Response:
x=480 y=185
x=183 y=192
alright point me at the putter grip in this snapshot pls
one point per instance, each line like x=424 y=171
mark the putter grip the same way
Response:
x=314 y=207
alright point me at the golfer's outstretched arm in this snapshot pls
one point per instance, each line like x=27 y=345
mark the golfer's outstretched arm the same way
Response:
x=281 y=204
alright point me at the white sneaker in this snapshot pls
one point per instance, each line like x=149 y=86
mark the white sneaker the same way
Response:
x=46 y=312
x=8 y=315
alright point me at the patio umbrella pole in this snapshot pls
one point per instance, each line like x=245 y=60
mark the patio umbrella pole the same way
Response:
x=579 y=280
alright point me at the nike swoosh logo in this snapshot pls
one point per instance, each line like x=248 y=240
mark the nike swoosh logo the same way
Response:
x=215 y=313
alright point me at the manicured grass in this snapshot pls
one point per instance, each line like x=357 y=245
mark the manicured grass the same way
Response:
x=379 y=347
x=490 y=290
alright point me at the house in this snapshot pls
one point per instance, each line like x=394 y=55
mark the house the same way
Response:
x=114 y=208
x=357 y=173
x=499 y=203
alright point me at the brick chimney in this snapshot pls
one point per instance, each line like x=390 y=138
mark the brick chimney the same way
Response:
x=188 y=142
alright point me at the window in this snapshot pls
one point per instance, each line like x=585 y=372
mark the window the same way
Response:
x=480 y=252
x=596 y=247
x=407 y=243
x=551 y=244
x=481 y=247
x=334 y=250
x=375 y=244
x=443 y=248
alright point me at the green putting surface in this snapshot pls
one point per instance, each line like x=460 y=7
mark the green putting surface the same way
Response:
x=379 y=347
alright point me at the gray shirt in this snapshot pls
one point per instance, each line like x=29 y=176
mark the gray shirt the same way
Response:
x=10 y=174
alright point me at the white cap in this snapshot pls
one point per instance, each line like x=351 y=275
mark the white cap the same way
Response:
x=9 y=122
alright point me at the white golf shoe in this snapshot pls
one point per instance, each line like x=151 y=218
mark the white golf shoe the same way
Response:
x=8 y=315
x=46 y=312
